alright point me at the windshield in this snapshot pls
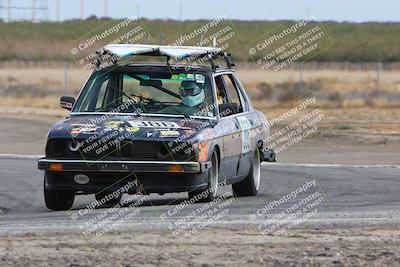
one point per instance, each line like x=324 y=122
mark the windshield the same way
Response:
x=185 y=93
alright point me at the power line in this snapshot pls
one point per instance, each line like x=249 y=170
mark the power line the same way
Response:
x=34 y=8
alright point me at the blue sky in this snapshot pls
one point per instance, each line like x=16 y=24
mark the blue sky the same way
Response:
x=338 y=10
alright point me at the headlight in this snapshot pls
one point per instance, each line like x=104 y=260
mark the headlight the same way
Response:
x=58 y=147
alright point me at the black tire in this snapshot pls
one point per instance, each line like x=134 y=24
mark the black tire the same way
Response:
x=112 y=201
x=210 y=192
x=251 y=184
x=58 y=200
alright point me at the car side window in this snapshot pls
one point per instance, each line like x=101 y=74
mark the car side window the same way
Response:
x=233 y=93
x=93 y=98
x=100 y=103
x=243 y=97
x=228 y=96
x=233 y=102
x=221 y=94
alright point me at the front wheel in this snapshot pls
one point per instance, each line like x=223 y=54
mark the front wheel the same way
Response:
x=210 y=192
x=250 y=185
x=56 y=199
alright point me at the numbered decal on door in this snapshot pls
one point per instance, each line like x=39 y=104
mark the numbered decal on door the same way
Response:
x=245 y=127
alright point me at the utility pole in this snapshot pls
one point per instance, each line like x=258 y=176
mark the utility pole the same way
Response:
x=9 y=11
x=180 y=10
x=105 y=8
x=58 y=10
x=82 y=13
x=33 y=10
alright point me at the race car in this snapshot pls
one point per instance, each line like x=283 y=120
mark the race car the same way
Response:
x=157 y=127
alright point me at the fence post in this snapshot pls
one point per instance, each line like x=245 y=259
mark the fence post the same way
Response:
x=378 y=77
x=301 y=77
x=66 y=67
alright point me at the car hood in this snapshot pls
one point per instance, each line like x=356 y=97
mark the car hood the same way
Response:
x=128 y=127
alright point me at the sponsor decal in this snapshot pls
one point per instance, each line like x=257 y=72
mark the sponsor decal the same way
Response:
x=168 y=133
x=245 y=126
x=89 y=129
x=154 y=124
x=83 y=128
x=188 y=132
x=75 y=132
x=200 y=78
x=113 y=124
x=132 y=129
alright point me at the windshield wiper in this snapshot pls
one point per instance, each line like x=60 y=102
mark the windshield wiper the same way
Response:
x=137 y=111
x=145 y=98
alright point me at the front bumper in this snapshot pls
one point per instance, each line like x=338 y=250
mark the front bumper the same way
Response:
x=154 y=176
x=125 y=166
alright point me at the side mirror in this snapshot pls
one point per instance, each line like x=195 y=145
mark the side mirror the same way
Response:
x=227 y=109
x=67 y=102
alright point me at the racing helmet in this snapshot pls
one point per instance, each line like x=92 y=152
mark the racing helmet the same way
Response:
x=191 y=93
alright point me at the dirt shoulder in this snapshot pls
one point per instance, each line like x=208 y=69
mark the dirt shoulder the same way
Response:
x=211 y=247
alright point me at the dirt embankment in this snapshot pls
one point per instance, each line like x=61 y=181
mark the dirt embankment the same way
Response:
x=212 y=247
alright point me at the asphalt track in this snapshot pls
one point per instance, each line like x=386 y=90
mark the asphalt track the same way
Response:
x=352 y=195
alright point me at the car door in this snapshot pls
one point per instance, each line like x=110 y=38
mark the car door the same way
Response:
x=248 y=124
x=232 y=142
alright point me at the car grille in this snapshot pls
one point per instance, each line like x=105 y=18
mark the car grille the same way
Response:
x=125 y=150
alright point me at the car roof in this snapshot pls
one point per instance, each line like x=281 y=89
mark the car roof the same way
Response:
x=178 y=52
x=128 y=51
x=163 y=65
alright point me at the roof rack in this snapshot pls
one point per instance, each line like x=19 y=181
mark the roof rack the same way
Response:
x=124 y=51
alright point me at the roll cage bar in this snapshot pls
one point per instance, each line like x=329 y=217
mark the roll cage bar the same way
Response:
x=127 y=51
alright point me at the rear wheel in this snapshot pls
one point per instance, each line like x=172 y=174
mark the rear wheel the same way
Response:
x=210 y=192
x=250 y=185
x=56 y=199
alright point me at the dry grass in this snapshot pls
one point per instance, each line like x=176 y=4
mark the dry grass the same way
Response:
x=42 y=87
x=49 y=102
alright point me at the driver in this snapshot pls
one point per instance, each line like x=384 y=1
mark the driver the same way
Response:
x=192 y=96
